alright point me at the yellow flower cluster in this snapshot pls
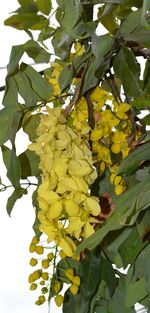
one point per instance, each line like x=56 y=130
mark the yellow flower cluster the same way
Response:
x=40 y=278
x=53 y=80
x=110 y=132
x=67 y=209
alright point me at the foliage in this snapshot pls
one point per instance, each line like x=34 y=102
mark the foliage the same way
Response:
x=89 y=149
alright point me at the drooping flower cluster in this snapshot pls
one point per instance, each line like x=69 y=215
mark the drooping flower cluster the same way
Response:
x=110 y=132
x=67 y=210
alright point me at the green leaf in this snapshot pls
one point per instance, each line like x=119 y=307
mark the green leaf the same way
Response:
x=117 y=304
x=127 y=69
x=101 y=46
x=72 y=13
x=135 y=292
x=141 y=102
x=145 y=14
x=17 y=194
x=143 y=225
x=15 y=56
x=127 y=209
x=36 y=52
x=10 y=99
x=65 y=77
x=33 y=50
x=24 y=85
x=6 y=123
x=26 y=21
x=135 y=158
x=42 y=88
x=29 y=163
x=90 y=79
x=44 y=6
x=132 y=30
x=62 y=43
x=25 y=2
x=13 y=170
x=90 y=273
x=30 y=124
x=130 y=247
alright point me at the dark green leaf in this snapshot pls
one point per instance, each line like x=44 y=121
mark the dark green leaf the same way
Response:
x=72 y=13
x=24 y=85
x=14 y=171
x=90 y=79
x=127 y=69
x=141 y=102
x=101 y=46
x=130 y=247
x=135 y=158
x=117 y=304
x=90 y=272
x=44 y=6
x=25 y=2
x=146 y=14
x=132 y=30
x=15 y=56
x=65 y=77
x=6 y=123
x=62 y=43
x=37 y=53
x=30 y=124
x=10 y=99
x=26 y=21
x=29 y=163
x=143 y=225
x=17 y=194
x=42 y=88
x=135 y=292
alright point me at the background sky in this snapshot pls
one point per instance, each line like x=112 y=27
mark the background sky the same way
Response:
x=15 y=232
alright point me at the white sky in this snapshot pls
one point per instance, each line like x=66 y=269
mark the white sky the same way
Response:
x=15 y=232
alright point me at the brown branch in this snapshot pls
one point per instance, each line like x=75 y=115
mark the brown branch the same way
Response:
x=90 y=108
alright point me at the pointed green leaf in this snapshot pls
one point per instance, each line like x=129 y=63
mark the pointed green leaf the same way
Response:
x=135 y=158
x=44 y=6
x=30 y=124
x=90 y=273
x=65 y=77
x=6 y=123
x=72 y=13
x=127 y=69
x=29 y=163
x=101 y=45
x=36 y=52
x=26 y=21
x=14 y=171
x=17 y=194
x=135 y=292
x=42 y=88
x=10 y=99
x=24 y=85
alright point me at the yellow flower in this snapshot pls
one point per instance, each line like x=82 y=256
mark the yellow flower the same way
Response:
x=59 y=300
x=57 y=286
x=92 y=205
x=69 y=273
x=74 y=289
x=76 y=280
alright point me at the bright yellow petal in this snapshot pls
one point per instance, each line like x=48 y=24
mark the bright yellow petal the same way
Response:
x=92 y=205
